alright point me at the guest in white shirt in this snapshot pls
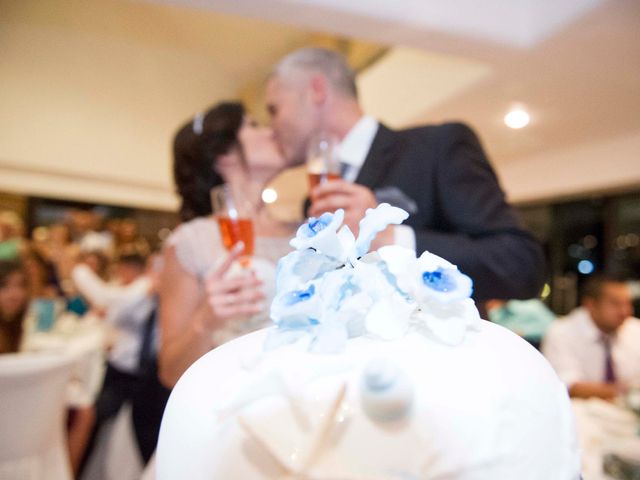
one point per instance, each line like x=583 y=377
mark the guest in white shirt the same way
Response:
x=596 y=348
x=127 y=304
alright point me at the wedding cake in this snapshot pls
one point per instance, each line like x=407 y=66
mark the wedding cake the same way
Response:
x=378 y=366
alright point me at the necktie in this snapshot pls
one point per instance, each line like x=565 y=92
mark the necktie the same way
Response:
x=609 y=370
x=345 y=169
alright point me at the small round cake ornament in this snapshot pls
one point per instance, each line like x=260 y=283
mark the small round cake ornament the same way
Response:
x=386 y=392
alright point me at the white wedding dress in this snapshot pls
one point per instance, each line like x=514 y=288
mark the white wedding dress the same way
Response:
x=200 y=251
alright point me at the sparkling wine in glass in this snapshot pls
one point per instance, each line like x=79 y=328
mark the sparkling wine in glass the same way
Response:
x=234 y=215
x=322 y=160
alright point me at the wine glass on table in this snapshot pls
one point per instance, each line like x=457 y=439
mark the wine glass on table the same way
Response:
x=234 y=213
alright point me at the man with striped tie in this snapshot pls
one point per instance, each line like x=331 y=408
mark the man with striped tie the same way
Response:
x=596 y=348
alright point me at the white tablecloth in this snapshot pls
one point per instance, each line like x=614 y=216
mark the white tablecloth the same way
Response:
x=85 y=339
x=604 y=428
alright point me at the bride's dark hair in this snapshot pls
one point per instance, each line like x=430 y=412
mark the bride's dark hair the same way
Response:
x=196 y=147
x=11 y=326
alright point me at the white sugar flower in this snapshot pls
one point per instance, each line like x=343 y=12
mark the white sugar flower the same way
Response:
x=330 y=289
x=389 y=313
x=321 y=235
x=445 y=309
x=402 y=264
x=448 y=322
x=441 y=280
x=297 y=309
x=375 y=221
x=301 y=266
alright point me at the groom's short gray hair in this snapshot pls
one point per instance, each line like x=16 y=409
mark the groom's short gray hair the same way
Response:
x=331 y=64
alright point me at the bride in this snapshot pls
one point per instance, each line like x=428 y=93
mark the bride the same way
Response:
x=202 y=302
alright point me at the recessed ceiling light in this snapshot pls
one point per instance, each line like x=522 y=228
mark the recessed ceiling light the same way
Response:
x=269 y=195
x=516 y=118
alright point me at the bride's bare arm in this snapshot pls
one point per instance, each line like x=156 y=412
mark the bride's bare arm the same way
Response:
x=191 y=311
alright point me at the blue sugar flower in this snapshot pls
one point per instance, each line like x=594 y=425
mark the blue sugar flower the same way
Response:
x=446 y=284
x=321 y=235
x=324 y=235
x=316 y=225
x=330 y=289
x=297 y=309
x=298 y=296
x=440 y=280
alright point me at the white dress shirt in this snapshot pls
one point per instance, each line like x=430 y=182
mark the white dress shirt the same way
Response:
x=128 y=308
x=574 y=347
x=353 y=150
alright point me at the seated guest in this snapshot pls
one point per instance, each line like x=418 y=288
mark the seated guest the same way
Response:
x=129 y=240
x=58 y=249
x=528 y=318
x=41 y=276
x=14 y=299
x=596 y=348
x=12 y=243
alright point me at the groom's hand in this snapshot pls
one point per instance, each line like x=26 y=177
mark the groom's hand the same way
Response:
x=354 y=199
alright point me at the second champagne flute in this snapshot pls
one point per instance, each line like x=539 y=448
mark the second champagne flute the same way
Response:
x=322 y=160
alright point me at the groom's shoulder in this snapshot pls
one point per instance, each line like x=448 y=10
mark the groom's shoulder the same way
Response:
x=448 y=129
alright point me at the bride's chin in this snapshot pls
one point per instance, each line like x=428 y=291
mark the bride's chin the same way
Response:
x=274 y=163
x=264 y=171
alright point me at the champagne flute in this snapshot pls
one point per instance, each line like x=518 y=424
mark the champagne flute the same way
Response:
x=234 y=213
x=322 y=159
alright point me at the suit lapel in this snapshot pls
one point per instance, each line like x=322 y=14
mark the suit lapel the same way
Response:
x=379 y=158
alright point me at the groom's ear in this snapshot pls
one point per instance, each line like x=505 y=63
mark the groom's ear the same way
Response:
x=319 y=87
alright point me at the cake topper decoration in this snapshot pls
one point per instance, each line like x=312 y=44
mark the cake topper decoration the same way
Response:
x=330 y=289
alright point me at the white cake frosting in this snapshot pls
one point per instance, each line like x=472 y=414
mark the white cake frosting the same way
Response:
x=378 y=367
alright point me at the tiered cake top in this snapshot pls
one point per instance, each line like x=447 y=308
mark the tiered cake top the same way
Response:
x=378 y=367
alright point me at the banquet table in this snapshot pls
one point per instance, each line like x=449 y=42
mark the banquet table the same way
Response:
x=605 y=428
x=86 y=339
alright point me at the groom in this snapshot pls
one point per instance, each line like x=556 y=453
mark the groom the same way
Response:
x=439 y=174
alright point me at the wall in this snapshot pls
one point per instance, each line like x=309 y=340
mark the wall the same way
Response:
x=608 y=165
x=92 y=91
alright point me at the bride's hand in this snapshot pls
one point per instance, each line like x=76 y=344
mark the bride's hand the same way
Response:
x=232 y=297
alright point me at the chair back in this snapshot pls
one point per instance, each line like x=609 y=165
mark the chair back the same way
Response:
x=33 y=394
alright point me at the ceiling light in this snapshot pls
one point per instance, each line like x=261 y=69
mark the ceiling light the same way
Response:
x=516 y=118
x=269 y=195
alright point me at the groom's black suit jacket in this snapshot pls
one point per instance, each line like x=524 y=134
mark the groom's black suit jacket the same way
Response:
x=461 y=212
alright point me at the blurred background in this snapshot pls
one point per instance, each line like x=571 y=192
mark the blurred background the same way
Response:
x=92 y=91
